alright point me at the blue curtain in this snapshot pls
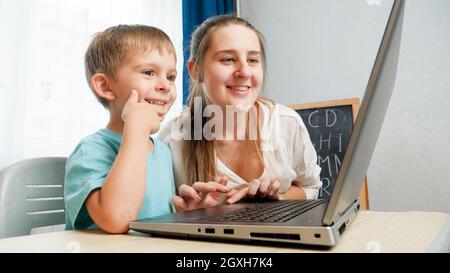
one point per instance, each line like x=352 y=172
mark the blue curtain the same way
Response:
x=194 y=13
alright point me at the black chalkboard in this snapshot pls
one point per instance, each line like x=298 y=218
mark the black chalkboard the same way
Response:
x=330 y=129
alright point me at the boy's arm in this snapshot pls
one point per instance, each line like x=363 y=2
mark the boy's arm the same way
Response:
x=120 y=199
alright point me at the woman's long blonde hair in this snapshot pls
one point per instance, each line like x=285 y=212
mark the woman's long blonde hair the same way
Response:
x=199 y=157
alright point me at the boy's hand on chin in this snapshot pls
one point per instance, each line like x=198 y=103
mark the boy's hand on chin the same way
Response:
x=140 y=114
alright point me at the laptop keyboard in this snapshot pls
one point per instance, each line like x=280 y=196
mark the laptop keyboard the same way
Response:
x=275 y=212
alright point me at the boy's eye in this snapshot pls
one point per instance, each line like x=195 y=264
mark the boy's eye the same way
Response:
x=149 y=73
x=172 y=78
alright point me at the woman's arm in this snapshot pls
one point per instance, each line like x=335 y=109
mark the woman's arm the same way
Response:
x=294 y=193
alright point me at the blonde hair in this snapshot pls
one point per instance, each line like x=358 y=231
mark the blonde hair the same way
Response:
x=199 y=156
x=108 y=49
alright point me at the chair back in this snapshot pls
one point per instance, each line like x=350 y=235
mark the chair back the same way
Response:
x=31 y=195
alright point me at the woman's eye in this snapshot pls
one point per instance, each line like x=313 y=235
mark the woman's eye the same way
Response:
x=253 y=61
x=149 y=72
x=228 y=60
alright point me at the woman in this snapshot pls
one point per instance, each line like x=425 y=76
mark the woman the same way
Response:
x=271 y=157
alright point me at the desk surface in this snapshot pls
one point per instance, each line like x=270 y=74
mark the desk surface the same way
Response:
x=370 y=232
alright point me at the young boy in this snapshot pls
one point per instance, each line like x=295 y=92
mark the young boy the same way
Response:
x=119 y=173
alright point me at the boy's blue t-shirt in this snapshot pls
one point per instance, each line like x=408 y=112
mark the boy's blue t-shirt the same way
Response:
x=89 y=164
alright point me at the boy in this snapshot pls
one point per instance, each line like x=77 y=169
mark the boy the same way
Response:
x=120 y=174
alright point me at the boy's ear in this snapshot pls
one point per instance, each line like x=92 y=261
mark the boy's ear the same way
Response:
x=193 y=71
x=102 y=88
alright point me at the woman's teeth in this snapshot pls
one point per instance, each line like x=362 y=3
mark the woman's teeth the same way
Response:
x=239 y=88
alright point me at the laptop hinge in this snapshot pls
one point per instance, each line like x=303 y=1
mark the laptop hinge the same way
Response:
x=340 y=214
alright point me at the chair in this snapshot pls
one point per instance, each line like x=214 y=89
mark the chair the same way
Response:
x=31 y=195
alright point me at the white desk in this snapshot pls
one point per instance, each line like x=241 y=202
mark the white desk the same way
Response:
x=370 y=232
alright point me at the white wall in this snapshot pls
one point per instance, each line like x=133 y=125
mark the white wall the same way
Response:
x=322 y=50
x=46 y=106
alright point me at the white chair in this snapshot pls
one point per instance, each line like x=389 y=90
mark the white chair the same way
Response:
x=31 y=195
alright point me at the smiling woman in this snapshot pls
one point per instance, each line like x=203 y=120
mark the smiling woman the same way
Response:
x=46 y=106
x=227 y=66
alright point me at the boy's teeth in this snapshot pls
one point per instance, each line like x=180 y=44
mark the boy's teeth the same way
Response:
x=156 y=102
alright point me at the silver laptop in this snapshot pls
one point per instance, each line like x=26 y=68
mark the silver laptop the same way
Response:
x=315 y=222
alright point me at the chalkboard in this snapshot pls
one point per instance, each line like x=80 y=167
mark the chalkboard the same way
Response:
x=330 y=126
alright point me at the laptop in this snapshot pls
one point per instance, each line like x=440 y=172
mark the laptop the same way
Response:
x=313 y=222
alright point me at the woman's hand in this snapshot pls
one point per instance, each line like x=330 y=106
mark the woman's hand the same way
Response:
x=264 y=189
x=200 y=195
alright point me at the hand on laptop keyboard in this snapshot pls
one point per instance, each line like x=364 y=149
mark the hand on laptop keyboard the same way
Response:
x=200 y=195
x=258 y=188
x=207 y=194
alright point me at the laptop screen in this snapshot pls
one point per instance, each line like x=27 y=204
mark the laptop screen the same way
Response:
x=370 y=118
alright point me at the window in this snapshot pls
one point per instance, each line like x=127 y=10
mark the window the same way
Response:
x=46 y=104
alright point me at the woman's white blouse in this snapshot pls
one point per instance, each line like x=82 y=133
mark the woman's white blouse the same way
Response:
x=288 y=152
